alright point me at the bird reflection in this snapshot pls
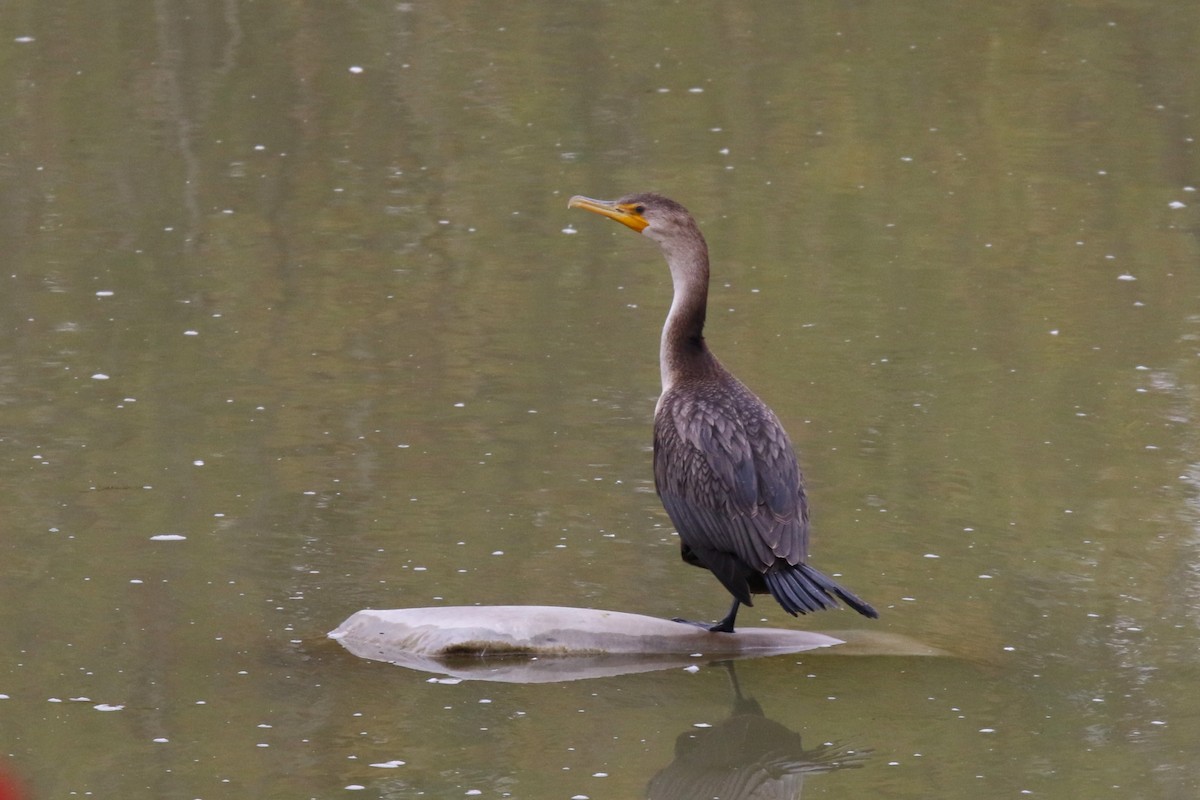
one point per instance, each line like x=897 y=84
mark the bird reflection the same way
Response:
x=745 y=757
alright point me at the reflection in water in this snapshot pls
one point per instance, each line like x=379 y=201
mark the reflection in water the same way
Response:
x=745 y=756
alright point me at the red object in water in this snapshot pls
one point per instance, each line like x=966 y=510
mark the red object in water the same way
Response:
x=9 y=790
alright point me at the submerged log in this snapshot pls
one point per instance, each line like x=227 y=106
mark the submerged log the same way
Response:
x=550 y=643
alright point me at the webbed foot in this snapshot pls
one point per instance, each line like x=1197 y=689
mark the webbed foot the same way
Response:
x=712 y=627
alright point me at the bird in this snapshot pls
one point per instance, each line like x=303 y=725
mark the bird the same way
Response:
x=724 y=468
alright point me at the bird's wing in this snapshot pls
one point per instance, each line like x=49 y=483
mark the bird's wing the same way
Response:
x=728 y=478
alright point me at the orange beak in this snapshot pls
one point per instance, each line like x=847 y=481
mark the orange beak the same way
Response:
x=624 y=213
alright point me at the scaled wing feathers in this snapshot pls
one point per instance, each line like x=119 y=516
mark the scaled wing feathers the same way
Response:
x=728 y=477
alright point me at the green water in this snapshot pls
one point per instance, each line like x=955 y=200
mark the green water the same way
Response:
x=297 y=282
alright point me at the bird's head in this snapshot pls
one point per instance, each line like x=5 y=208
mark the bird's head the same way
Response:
x=653 y=215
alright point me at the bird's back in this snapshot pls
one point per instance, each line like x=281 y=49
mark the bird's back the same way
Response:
x=727 y=475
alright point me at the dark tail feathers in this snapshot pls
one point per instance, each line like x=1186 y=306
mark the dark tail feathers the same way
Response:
x=800 y=589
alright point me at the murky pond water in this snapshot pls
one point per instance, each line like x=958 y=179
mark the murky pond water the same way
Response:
x=296 y=322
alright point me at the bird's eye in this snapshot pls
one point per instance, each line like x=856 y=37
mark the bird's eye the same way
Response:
x=639 y=209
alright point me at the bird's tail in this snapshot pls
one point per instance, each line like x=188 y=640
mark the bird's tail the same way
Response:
x=801 y=589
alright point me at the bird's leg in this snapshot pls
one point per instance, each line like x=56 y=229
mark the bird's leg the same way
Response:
x=724 y=626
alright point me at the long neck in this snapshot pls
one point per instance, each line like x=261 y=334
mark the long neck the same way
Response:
x=682 y=349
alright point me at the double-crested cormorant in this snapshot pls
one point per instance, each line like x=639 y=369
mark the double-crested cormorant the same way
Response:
x=723 y=465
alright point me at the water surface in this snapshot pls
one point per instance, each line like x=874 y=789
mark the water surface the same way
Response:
x=296 y=287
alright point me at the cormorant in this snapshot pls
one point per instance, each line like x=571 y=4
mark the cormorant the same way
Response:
x=723 y=466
